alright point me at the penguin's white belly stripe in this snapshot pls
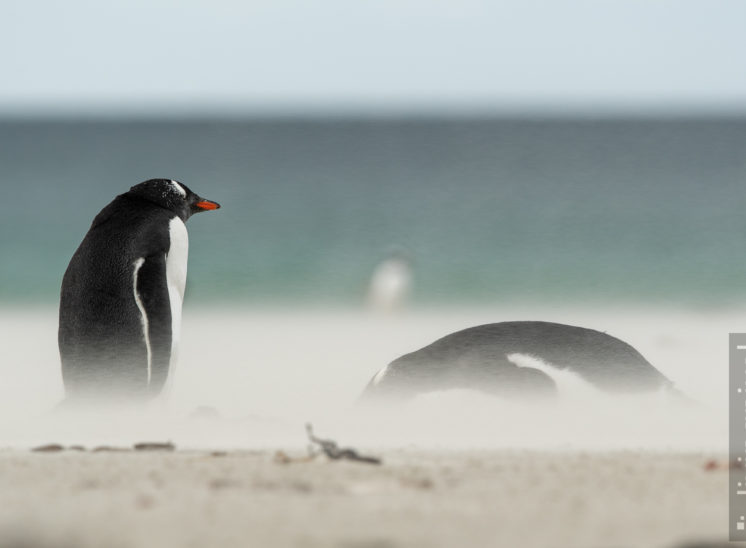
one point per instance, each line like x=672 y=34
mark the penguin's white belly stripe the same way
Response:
x=143 y=315
x=176 y=273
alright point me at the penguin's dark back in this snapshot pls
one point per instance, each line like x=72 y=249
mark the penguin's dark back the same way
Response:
x=602 y=359
x=99 y=320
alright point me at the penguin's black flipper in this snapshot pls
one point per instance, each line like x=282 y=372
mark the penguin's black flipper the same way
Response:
x=152 y=290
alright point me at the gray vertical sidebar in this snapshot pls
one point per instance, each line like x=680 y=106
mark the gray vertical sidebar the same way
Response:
x=737 y=438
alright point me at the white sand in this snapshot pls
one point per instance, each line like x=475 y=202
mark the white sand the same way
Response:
x=476 y=498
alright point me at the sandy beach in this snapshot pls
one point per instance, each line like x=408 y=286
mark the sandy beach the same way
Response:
x=459 y=469
x=416 y=498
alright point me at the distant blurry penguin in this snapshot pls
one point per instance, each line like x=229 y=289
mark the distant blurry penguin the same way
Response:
x=484 y=358
x=121 y=298
x=391 y=282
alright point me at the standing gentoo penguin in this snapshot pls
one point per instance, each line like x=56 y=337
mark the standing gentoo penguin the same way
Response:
x=481 y=358
x=120 y=304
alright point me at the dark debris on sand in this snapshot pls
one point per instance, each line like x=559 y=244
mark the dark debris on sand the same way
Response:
x=155 y=446
x=334 y=452
x=143 y=446
x=48 y=448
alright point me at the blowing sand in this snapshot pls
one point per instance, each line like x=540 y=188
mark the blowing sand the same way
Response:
x=459 y=469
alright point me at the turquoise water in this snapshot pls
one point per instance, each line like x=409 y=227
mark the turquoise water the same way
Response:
x=491 y=211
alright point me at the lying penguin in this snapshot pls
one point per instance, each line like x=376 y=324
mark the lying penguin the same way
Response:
x=480 y=358
x=121 y=297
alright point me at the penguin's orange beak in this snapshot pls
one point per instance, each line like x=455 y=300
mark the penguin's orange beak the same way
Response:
x=207 y=205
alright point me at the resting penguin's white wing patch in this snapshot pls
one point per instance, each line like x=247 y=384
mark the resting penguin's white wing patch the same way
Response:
x=567 y=382
x=143 y=315
x=380 y=375
x=176 y=273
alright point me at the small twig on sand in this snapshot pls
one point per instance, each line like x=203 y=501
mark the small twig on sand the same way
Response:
x=155 y=446
x=332 y=450
x=49 y=448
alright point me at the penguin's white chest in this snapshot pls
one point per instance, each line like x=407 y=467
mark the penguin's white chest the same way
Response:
x=176 y=273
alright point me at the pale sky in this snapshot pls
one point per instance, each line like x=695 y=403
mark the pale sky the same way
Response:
x=171 y=55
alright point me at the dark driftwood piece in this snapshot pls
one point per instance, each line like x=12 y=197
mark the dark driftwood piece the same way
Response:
x=332 y=450
x=49 y=448
x=155 y=446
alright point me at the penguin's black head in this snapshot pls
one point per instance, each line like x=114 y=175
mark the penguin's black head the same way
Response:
x=174 y=196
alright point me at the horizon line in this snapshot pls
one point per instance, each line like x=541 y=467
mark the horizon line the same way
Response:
x=367 y=109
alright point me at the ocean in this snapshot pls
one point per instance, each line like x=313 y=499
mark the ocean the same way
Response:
x=490 y=211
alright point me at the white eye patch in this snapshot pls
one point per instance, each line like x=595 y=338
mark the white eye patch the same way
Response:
x=179 y=188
